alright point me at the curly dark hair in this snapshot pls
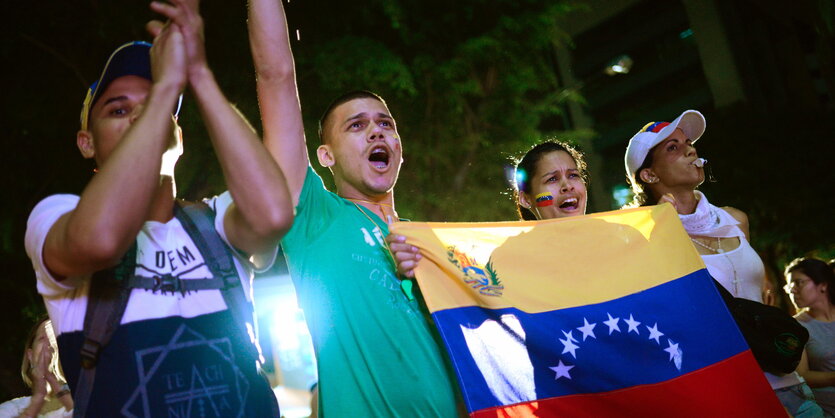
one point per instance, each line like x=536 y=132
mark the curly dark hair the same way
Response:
x=642 y=195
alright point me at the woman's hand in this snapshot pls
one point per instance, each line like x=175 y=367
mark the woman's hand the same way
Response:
x=40 y=369
x=37 y=372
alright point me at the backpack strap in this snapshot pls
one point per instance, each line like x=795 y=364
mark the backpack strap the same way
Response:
x=168 y=283
x=199 y=222
x=106 y=303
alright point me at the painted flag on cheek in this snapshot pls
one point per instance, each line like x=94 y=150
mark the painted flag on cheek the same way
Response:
x=611 y=314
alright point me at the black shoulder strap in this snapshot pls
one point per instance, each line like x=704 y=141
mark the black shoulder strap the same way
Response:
x=199 y=222
x=106 y=303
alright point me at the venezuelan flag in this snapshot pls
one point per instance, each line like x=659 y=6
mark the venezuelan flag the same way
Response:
x=611 y=314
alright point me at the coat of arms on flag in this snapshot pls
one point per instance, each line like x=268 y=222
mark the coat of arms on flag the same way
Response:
x=611 y=314
x=481 y=278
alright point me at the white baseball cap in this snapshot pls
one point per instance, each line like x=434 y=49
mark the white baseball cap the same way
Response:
x=691 y=122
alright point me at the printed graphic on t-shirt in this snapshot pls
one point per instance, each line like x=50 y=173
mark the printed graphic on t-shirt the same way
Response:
x=382 y=273
x=189 y=375
x=173 y=367
x=376 y=233
x=179 y=261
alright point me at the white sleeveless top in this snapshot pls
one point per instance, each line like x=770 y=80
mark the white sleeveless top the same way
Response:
x=740 y=270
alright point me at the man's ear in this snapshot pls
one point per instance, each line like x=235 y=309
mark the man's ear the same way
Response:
x=325 y=156
x=84 y=141
x=648 y=176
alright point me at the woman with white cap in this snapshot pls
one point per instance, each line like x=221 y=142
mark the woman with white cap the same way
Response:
x=662 y=165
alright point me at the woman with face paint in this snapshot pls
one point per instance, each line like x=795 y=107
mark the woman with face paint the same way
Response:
x=662 y=165
x=550 y=183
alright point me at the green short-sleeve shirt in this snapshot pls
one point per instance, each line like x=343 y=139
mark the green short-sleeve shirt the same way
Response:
x=377 y=354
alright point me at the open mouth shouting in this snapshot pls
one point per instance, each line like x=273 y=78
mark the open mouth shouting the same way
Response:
x=571 y=204
x=379 y=157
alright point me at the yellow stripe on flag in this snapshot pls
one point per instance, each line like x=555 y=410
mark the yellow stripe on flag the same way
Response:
x=546 y=265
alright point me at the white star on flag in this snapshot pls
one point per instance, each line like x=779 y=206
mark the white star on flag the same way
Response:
x=587 y=329
x=633 y=325
x=654 y=333
x=675 y=353
x=562 y=370
x=569 y=336
x=569 y=346
x=612 y=323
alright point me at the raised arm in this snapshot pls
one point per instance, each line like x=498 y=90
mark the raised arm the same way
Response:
x=277 y=92
x=115 y=203
x=262 y=210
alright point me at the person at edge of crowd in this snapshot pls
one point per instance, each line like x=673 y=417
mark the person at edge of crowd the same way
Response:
x=377 y=353
x=810 y=283
x=41 y=372
x=773 y=295
x=174 y=350
x=662 y=165
x=549 y=169
x=314 y=400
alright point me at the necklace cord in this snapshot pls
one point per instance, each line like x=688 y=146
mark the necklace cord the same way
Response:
x=406 y=284
x=719 y=250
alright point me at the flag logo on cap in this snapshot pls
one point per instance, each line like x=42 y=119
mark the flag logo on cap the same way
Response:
x=654 y=127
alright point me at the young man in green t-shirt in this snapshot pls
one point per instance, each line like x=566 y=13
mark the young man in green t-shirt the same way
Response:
x=377 y=353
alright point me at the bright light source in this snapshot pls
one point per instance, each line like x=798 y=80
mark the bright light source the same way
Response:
x=290 y=345
x=621 y=194
x=620 y=65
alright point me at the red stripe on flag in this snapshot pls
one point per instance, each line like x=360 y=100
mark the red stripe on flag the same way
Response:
x=711 y=391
